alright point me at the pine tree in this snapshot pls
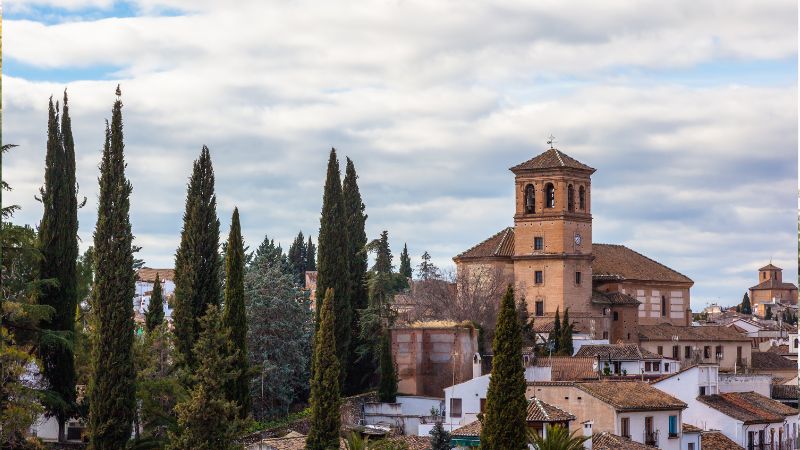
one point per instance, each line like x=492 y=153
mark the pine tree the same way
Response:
x=311 y=256
x=325 y=420
x=357 y=257
x=155 y=308
x=440 y=438
x=207 y=420
x=565 y=341
x=387 y=390
x=297 y=259
x=333 y=265
x=235 y=318
x=504 y=425
x=58 y=241
x=427 y=270
x=112 y=391
x=405 y=263
x=554 y=338
x=273 y=254
x=196 y=261
x=746 y=308
x=383 y=254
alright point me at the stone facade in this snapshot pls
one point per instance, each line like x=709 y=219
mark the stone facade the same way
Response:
x=770 y=290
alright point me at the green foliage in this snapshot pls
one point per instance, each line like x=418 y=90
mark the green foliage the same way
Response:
x=565 y=341
x=297 y=258
x=235 y=318
x=383 y=254
x=405 y=263
x=311 y=256
x=746 y=307
x=525 y=322
x=112 y=390
x=426 y=269
x=325 y=420
x=280 y=326
x=558 y=438
x=504 y=419
x=206 y=419
x=273 y=255
x=196 y=261
x=387 y=389
x=554 y=337
x=155 y=308
x=440 y=438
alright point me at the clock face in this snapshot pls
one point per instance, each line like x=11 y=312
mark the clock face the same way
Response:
x=577 y=239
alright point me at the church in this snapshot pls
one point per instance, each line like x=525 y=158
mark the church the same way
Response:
x=549 y=256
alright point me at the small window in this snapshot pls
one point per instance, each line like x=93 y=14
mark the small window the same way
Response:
x=550 y=195
x=718 y=352
x=605 y=334
x=570 y=198
x=455 y=407
x=702 y=390
x=707 y=352
x=647 y=366
x=539 y=308
x=577 y=278
x=691 y=446
x=676 y=352
x=625 y=427
x=663 y=306
x=582 y=198
x=538 y=243
x=530 y=199
x=660 y=350
x=538 y=277
x=616 y=315
x=673 y=426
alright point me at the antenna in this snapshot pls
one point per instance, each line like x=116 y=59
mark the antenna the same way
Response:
x=551 y=140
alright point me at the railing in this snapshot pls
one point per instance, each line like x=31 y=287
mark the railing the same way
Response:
x=651 y=438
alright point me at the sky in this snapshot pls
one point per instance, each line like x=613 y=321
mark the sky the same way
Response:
x=688 y=111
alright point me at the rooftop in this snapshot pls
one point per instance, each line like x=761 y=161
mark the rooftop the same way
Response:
x=689 y=428
x=148 y=275
x=770 y=266
x=569 y=368
x=715 y=440
x=772 y=283
x=608 y=441
x=500 y=244
x=613 y=298
x=709 y=333
x=551 y=158
x=624 y=352
x=617 y=262
x=749 y=407
x=470 y=429
x=789 y=392
x=539 y=411
x=770 y=361
x=631 y=396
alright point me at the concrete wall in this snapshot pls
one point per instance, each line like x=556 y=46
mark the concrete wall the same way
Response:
x=406 y=414
x=687 y=438
x=470 y=393
x=580 y=404
x=729 y=382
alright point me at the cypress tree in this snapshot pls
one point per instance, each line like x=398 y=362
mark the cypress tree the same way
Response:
x=554 y=338
x=155 y=308
x=297 y=258
x=58 y=241
x=504 y=425
x=235 y=318
x=383 y=254
x=357 y=257
x=565 y=341
x=112 y=392
x=196 y=261
x=325 y=420
x=333 y=266
x=405 y=263
x=311 y=256
x=387 y=390
x=746 y=307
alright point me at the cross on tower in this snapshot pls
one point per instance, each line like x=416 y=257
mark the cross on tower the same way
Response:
x=551 y=140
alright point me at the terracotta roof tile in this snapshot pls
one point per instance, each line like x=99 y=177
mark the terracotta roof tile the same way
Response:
x=715 y=440
x=773 y=284
x=749 y=407
x=539 y=411
x=470 y=429
x=770 y=266
x=689 y=428
x=785 y=392
x=500 y=244
x=569 y=368
x=608 y=441
x=769 y=360
x=625 y=352
x=412 y=442
x=632 y=396
x=708 y=333
x=779 y=349
x=551 y=159
x=617 y=262
x=147 y=274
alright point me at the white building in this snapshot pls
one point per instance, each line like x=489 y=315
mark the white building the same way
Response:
x=406 y=414
x=628 y=359
x=145 y=279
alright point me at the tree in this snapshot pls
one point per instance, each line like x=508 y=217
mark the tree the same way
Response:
x=405 y=263
x=554 y=338
x=558 y=438
x=440 y=438
x=280 y=328
x=768 y=313
x=311 y=256
x=383 y=254
x=297 y=258
x=427 y=270
x=333 y=265
x=503 y=426
x=357 y=258
x=207 y=420
x=387 y=390
x=528 y=337
x=112 y=390
x=58 y=241
x=155 y=307
x=234 y=317
x=746 y=308
x=565 y=340
x=196 y=260
x=273 y=254
x=325 y=421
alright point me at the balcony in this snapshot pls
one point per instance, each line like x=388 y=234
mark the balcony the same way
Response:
x=651 y=438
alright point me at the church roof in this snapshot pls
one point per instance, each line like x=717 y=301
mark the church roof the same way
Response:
x=617 y=262
x=770 y=266
x=498 y=245
x=772 y=283
x=551 y=158
x=613 y=298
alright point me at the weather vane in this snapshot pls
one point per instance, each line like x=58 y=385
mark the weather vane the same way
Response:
x=551 y=140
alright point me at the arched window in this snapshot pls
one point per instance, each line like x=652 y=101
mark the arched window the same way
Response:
x=570 y=198
x=582 y=198
x=530 y=199
x=550 y=195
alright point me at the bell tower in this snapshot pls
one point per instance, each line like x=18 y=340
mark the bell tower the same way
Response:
x=553 y=234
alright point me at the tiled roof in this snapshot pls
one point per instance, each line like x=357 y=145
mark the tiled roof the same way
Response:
x=689 y=428
x=539 y=411
x=631 y=396
x=715 y=440
x=411 y=442
x=470 y=429
x=284 y=443
x=768 y=360
x=498 y=245
x=613 y=298
x=624 y=352
x=749 y=407
x=569 y=368
x=617 y=262
x=608 y=441
x=785 y=392
x=546 y=325
x=709 y=333
x=772 y=283
x=149 y=275
x=779 y=349
x=551 y=159
x=770 y=266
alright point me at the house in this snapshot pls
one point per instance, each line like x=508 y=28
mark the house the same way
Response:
x=145 y=279
x=773 y=364
x=714 y=440
x=702 y=344
x=463 y=402
x=745 y=382
x=690 y=440
x=563 y=368
x=687 y=385
x=628 y=359
x=631 y=409
x=406 y=414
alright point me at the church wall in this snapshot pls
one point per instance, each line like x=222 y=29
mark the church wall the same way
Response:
x=649 y=294
x=624 y=327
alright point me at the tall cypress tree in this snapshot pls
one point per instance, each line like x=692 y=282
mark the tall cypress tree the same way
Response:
x=565 y=343
x=387 y=391
x=112 y=393
x=405 y=263
x=311 y=256
x=58 y=240
x=746 y=307
x=155 y=308
x=333 y=266
x=356 y=220
x=504 y=420
x=235 y=317
x=325 y=419
x=383 y=254
x=196 y=261
x=554 y=338
x=297 y=258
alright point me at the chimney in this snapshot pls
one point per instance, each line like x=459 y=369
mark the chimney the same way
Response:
x=587 y=431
